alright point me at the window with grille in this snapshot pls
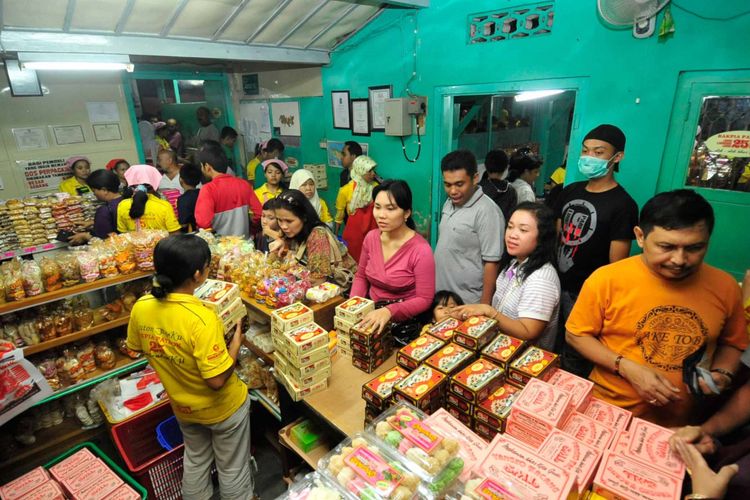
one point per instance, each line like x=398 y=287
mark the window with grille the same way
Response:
x=516 y=22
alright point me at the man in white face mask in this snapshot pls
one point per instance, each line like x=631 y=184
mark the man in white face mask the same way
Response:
x=596 y=219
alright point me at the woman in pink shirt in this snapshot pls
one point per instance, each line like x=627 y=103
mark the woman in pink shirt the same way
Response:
x=396 y=267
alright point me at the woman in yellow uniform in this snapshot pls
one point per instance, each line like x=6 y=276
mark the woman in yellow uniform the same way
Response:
x=76 y=185
x=275 y=171
x=141 y=208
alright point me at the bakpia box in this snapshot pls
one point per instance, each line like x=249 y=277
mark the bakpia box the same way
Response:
x=533 y=363
x=460 y=403
x=363 y=350
x=444 y=329
x=291 y=317
x=308 y=358
x=378 y=391
x=423 y=386
x=475 y=333
x=464 y=418
x=471 y=448
x=649 y=443
x=477 y=381
x=415 y=352
x=572 y=455
x=589 y=431
x=579 y=388
x=495 y=409
x=484 y=431
x=367 y=336
x=217 y=295
x=503 y=349
x=354 y=309
x=610 y=415
x=620 y=477
x=539 y=408
x=306 y=338
x=450 y=359
x=24 y=484
x=342 y=325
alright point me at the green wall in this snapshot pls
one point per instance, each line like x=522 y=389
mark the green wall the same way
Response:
x=621 y=80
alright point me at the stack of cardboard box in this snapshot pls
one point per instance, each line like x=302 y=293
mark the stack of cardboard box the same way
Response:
x=224 y=298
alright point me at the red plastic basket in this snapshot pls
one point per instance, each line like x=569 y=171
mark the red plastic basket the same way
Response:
x=159 y=471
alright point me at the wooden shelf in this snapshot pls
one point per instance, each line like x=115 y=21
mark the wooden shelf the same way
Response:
x=268 y=358
x=67 y=339
x=46 y=247
x=313 y=456
x=62 y=293
x=265 y=402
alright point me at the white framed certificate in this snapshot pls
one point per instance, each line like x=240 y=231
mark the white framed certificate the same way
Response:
x=342 y=118
x=67 y=134
x=360 y=117
x=378 y=95
x=107 y=132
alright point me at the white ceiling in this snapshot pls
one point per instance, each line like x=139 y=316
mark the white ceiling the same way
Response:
x=301 y=31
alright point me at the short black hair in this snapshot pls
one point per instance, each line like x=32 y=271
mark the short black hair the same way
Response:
x=104 y=179
x=678 y=209
x=443 y=296
x=176 y=259
x=191 y=174
x=274 y=145
x=228 y=132
x=521 y=160
x=297 y=203
x=546 y=240
x=212 y=153
x=271 y=204
x=463 y=159
x=496 y=161
x=354 y=148
x=170 y=152
x=401 y=194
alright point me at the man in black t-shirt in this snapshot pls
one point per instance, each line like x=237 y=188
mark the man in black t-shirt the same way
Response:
x=596 y=220
x=493 y=184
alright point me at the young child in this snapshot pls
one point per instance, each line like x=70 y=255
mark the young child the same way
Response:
x=443 y=302
x=190 y=178
x=272 y=148
x=275 y=171
x=270 y=229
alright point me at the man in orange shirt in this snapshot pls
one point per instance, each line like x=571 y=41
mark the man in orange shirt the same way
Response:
x=638 y=319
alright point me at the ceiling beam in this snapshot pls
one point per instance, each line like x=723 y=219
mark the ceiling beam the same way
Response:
x=55 y=42
x=268 y=21
x=302 y=21
x=69 y=11
x=125 y=16
x=173 y=18
x=331 y=25
x=230 y=19
x=414 y=4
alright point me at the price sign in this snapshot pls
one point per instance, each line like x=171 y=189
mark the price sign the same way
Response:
x=732 y=144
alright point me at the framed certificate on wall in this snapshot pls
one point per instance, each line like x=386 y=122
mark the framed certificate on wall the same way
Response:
x=360 y=117
x=341 y=112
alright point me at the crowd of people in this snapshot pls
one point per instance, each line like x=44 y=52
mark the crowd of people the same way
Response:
x=661 y=333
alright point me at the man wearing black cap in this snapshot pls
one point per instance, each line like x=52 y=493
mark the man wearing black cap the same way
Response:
x=596 y=219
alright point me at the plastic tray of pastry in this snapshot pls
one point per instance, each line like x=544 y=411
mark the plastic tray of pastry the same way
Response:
x=366 y=470
x=480 y=487
x=428 y=452
x=313 y=486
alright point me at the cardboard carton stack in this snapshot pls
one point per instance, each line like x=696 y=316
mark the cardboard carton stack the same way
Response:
x=348 y=314
x=224 y=298
x=378 y=392
x=368 y=347
x=471 y=385
x=303 y=356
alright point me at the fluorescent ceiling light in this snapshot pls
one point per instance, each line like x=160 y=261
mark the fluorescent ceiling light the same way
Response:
x=74 y=62
x=536 y=94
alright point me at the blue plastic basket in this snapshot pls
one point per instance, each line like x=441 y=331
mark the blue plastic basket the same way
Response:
x=168 y=434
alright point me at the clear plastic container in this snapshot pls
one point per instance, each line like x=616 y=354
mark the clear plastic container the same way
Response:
x=313 y=486
x=365 y=470
x=480 y=487
x=426 y=451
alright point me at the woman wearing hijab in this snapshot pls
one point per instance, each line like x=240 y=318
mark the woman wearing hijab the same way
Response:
x=355 y=200
x=304 y=181
x=80 y=168
x=141 y=208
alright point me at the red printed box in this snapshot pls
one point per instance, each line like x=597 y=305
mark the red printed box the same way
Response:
x=50 y=490
x=291 y=317
x=378 y=391
x=24 y=484
x=367 y=336
x=523 y=434
x=354 y=309
x=649 y=443
x=503 y=349
x=69 y=465
x=124 y=492
x=462 y=417
x=534 y=363
x=101 y=489
x=484 y=431
x=471 y=448
x=444 y=330
x=421 y=387
x=95 y=473
x=611 y=416
x=622 y=477
x=477 y=381
x=475 y=333
x=579 y=388
x=450 y=358
x=572 y=455
x=412 y=354
x=495 y=409
x=620 y=443
x=540 y=407
x=367 y=350
x=589 y=431
x=305 y=339
x=532 y=476
x=460 y=403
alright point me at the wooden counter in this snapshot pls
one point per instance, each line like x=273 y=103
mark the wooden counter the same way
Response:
x=323 y=312
x=341 y=404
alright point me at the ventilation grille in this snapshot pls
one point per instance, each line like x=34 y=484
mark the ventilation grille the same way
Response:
x=516 y=22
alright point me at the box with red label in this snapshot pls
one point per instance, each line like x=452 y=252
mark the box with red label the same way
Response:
x=308 y=358
x=306 y=338
x=460 y=403
x=484 y=431
x=531 y=475
x=649 y=443
x=354 y=309
x=24 y=484
x=124 y=492
x=477 y=381
x=620 y=443
x=620 y=477
x=579 y=388
x=523 y=434
x=471 y=448
x=51 y=490
x=533 y=363
x=368 y=365
x=378 y=391
x=494 y=410
x=444 y=329
x=297 y=393
x=475 y=333
x=404 y=431
x=612 y=416
x=367 y=336
x=344 y=339
x=341 y=325
x=365 y=470
x=415 y=352
x=588 y=431
x=572 y=455
x=539 y=408
x=464 y=418
x=101 y=488
x=451 y=358
x=368 y=362
x=218 y=295
x=307 y=381
x=365 y=350
x=96 y=472
x=291 y=317
x=423 y=386
x=503 y=349
x=300 y=372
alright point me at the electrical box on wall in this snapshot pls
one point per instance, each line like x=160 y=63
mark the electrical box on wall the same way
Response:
x=416 y=105
x=397 y=117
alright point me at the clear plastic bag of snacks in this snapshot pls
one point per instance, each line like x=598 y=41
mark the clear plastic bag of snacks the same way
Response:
x=63 y=320
x=69 y=367
x=45 y=324
x=143 y=244
x=69 y=269
x=13 y=280
x=107 y=263
x=429 y=453
x=122 y=346
x=32 y=278
x=48 y=369
x=10 y=330
x=124 y=253
x=83 y=316
x=51 y=274
x=313 y=486
x=104 y=356
x=365 y=469
x=28 y=332
x=88 y=263
x=86 y=357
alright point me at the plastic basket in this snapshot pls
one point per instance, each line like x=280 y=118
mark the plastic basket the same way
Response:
x=126 y=478
x=159 y=471
x=168 y=434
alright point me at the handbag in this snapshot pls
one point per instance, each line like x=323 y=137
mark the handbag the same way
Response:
x=343 y=266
